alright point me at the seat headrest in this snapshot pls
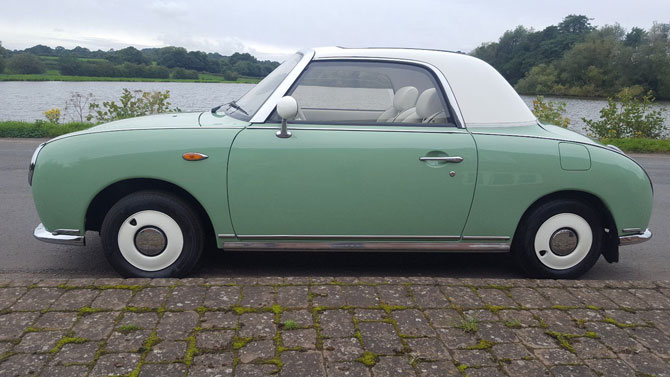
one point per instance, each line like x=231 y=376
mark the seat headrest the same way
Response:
x=428 y=103
x=405 y=98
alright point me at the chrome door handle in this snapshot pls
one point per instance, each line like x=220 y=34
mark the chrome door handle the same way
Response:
x=454 y=159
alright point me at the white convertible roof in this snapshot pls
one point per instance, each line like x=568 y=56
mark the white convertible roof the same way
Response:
x=482 y=94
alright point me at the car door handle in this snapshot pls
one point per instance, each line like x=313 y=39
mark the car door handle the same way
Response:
x=454 y=159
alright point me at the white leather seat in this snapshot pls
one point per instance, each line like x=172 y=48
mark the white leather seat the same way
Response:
x=428 y=109
x=404 y=99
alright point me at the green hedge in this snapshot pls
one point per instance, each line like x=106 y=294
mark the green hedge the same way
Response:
x=39 y=128
x=640 y=145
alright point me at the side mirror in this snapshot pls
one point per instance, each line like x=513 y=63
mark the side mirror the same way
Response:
x=287 y=108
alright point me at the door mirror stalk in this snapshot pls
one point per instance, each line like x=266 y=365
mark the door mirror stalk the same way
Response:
x=287 y=108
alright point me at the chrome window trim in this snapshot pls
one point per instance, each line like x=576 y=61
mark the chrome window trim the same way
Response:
x=266 y=109
x=369 y=246
x=434 y=130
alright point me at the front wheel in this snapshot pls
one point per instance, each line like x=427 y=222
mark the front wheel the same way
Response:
x=561 y=239
x=152 y=234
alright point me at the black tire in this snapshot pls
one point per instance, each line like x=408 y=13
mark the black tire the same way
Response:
x=523 y=246
x=178 y=210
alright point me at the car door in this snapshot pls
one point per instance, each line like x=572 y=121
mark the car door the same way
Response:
x=356 y=165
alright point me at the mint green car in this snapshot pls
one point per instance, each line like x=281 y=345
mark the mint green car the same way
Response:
x=346 y=149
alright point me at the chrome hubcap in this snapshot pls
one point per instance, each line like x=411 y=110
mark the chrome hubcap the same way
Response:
x=563 y=242
x=150 y=241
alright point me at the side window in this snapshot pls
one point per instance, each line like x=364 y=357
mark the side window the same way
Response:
x=369 y=92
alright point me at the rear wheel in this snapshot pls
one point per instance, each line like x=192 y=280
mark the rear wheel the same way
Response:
x=560 y=239
x=152 y=234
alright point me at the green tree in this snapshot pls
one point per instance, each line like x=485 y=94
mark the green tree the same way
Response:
x=128 y=55
x=25 y=64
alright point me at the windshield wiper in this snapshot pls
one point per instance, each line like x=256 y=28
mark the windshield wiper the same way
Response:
x=232 y=104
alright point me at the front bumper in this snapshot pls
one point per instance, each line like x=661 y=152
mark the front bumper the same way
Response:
x=635 y=238
x=42 y=234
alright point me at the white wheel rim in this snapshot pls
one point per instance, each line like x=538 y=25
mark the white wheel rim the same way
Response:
x=149 y=218
x=543 y=238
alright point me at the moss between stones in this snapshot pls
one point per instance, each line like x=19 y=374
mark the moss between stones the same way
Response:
x=67 y=340
x=564 y=339
x=563 y=307
x=368 y=359
x=86 y=310
x=289 y=325
x=191 y=350
x=618 y=324
x=126 y=329
x=469 y=324
x=514 y=324
x=482 y=345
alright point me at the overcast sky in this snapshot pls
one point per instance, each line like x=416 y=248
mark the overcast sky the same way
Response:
x=273 y=28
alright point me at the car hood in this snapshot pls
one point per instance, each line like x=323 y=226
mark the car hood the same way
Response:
x=170 y=120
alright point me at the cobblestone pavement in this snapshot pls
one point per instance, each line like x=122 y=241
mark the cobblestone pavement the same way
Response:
x=313 y=327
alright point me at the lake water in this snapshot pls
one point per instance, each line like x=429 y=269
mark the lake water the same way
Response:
x=25 y=100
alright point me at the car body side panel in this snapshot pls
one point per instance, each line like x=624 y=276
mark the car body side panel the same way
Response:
x=71 y=171
x=517 y=170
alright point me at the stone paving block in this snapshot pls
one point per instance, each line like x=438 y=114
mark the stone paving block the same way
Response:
x=653 y=298
x=586 y=314
x=301 y=338
x=38 y=341
x=95 y=326
x=56 y=320
x=481 y=314
x=510 y=351
x=395 y=295
x=302 y=318
x=572 y=371
x=393 y=366
x=255 y=370
x=177 y=325
x=112 y=299
x=444 y=317
x=556 y=356
x=624 y=298
x=380 y=338
x=293 y=296
x=8 y=296
x=560 y=297
x=257 y=325
x=615 y=338
x=495 y=297
x=427 y=349
x=163 y=282
x=257 y=351
x=37 y=299
x=369 y=314
x=657 y=318
x=429 y=296
x=163 y=370
x=346 y=369
x=74 y=299
x=412 y=322
x=115 y=364
x=456 y=338
x=23 y=364
x=558 y=320
x=212 y=365
x=485 y=372
x=526 y=368
x=588 y=348
x=76 y=353
x=214 y=340
x=186 y=297
x=653 y=339
x=590 y=296
x=167 y=351
x=341 y=349
x=361 y=296
x=129 y=342
x=65 y=371
x=143 y=320
x=534 y=337
x=626 y=317
x=525 y=318
x=150 y=298
x=331 y=296
x=610 y=367
x=474 y=358
x=336 y=323
x=647 y=363
x=5 y=347
x=191 y=281
x=302 y=364
x=437 y=369
x=218 y=320
x=463 y=297
x=258 y=296
x=222 y=297
x=529 y=298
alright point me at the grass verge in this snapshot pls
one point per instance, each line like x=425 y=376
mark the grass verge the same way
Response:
x=640 y=145
x=39 y=129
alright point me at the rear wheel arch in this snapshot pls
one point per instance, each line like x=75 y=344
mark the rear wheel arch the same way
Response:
x=110 y=195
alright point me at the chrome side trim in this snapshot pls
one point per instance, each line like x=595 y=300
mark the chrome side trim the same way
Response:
x=66 y=232
x=296 y=127
x=63 y=239
x=369 y=246
x=226 y=236
x=341 y=237
x=635 y=238
x=631 y=230
x=454 y=159
x=486 y=238
x=33 y=162
x=88 y=132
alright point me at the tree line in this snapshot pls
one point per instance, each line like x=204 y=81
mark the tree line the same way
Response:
x=175 y=62
x=577 y=59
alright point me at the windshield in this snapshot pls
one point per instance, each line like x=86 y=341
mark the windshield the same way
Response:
x=245 y=107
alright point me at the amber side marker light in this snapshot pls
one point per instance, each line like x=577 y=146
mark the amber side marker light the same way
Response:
x=192 y=156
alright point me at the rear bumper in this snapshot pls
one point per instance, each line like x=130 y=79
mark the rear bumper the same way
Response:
x=42 y=234
x=635 y=238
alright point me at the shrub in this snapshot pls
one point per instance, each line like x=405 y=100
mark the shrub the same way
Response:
x=26 y=64
x=39 y=128
x=131 y=104
x=2 y=64
x=550 y=112
x=628 y=116
x=231 y=75
x=53 y=115
x=184 y=74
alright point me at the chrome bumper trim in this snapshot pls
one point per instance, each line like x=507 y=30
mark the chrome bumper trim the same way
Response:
x=370 y=246
x=42 y=234
x=635 y=238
